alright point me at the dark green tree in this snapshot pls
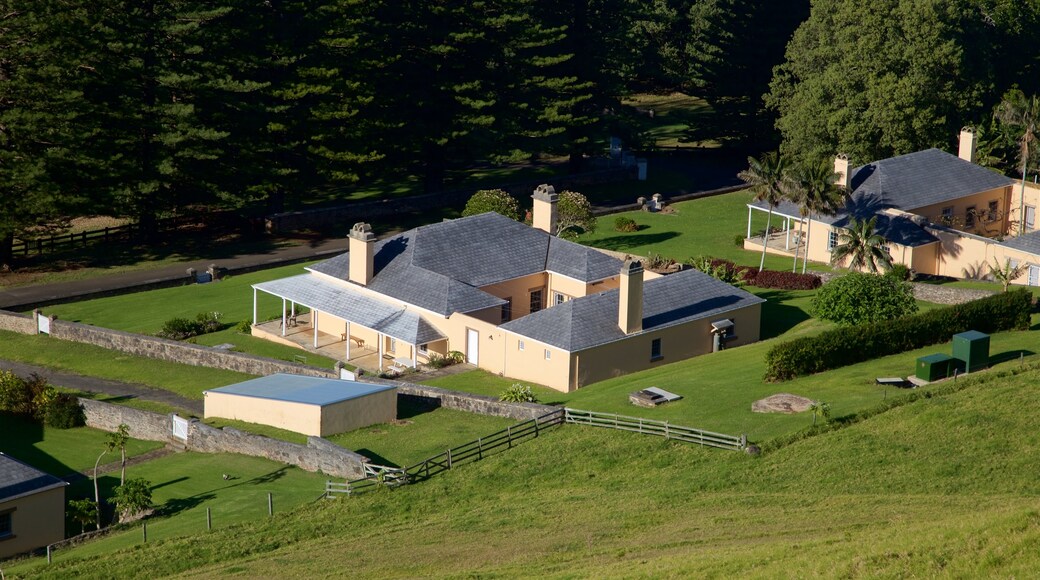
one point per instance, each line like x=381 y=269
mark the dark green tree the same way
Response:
x=1021 y=115
x=857 y=298
x=813 y=187
x=766 y=178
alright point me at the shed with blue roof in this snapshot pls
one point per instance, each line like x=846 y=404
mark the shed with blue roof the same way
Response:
x=309 y=405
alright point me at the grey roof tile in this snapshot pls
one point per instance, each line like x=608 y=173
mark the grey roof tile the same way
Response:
x=592 y=320
x=1029 y=242
x=17 y=478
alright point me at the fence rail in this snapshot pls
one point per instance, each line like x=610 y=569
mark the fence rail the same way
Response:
x=466 y=453
x=652 y=427
x=104 y=235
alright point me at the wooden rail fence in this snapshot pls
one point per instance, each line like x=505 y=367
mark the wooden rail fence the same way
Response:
x=466 y=453
x=105 y=235
x=652 y=427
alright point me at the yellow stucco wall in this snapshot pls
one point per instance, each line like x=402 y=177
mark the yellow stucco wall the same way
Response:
x=354 y=414
x=1030 y=197
x=519 y=291
x=980 y=201
x=37 y=520
x=307 y=419
x=677 y=343
x=531 y=364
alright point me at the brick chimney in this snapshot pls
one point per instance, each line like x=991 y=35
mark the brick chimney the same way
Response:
x=543 y=214
x=362 y=254
x=966 y=151
x=630 y=300
x=841 y=167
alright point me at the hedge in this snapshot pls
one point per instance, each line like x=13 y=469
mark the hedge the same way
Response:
x=853 y=344
x=769 y=278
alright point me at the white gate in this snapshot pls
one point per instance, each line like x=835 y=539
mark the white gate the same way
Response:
x=180 y=428
x=472 y=346
x=43 y=324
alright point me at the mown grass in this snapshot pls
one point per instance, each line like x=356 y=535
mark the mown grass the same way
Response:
x=939 y=487
x=58 y=451
x=674 y=114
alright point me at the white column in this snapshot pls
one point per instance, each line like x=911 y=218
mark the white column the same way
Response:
x=254 y=306
x=348 y=340
x=314 y=323
x=748 y=222
x=380 y=335
x=283 y=317
x=293 y=307
x=787 y=226
x=415 y=356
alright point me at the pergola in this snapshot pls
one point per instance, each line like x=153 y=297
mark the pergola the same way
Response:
x=789 y=220
x=351 y=306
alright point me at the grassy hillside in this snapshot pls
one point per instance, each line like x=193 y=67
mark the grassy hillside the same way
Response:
x=942 y=486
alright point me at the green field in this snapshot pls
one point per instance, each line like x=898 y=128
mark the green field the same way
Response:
x=943 y=486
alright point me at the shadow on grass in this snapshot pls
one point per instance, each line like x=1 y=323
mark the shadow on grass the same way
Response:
x=266 y=478
x=376 y=458
x=176 y=505
x=626 y=242
x=170 y=482
x=778 y=318
x=1009 y=356
x=409 y=406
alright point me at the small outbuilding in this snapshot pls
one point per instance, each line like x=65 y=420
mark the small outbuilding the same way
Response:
x=309 y=405
x=32 y=507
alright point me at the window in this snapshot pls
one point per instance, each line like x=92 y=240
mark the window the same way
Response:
x=994 y=209
x=393 y=345
x=655 y=349
x=832 y=239
x=548 y=354
x=424 y=349
x=969 y=217
x=6 y=531
x=947 y=215
x=1030 y=217
x=507 y=310
x=519 y=345
x=536 y=300
x=558 y=298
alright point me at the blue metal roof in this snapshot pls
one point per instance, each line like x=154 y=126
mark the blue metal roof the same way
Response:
x=302 y=389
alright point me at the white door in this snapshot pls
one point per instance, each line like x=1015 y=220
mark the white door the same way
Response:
x=1034 y=275
x=180 y=428
x=472 y=345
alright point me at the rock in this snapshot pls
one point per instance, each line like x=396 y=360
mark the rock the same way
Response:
x=781 y=403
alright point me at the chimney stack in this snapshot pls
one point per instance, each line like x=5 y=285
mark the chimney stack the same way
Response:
x=543 y=214
x=841 y=167
x=966 y=151
x=362 y=254
x=630 y=300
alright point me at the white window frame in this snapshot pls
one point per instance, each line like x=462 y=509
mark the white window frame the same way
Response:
x=424 y=348
x=1030 y=223
x=393 y=345
x=946 y=215
x=519 y=345
x=832 y=239
x=559 y=298
x=548 y=354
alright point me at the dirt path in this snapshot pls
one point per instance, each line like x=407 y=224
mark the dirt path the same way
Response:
x=115 y=465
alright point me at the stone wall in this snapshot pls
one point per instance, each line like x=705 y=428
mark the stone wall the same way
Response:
x=368 y=210
x=143 y=424
x=14 y=322
x=317 y=455
x=947 y=294
x=479 y=404
x=180 y=352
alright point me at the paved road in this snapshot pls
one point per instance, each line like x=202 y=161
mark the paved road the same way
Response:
x=108 y=387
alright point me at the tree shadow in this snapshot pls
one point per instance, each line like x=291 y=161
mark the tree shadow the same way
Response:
x=266 y=478
x=409 y=406
x=376 y=458
x=176 y=505
x=626 y=242
x=778 y=318
x=1009 y=356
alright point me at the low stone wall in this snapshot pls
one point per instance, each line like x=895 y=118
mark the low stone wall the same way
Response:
x=317 y=455
x=180 y=352
x=361 y=211
x=479 y=404
x=14 y=322
x=143 y=424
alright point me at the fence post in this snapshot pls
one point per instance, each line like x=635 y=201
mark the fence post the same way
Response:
x=666 y=430
x=480 y=447
x=270 y=504
x=209 y=520
x=743 y=440
x=144 y=531
x=48 y=554
x=509 y=435
x=449 y=458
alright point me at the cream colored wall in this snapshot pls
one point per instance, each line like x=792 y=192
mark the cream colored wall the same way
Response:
x=491 y=340
x=933 y=213
x=354 y=414
x=611 y=283
x=1031 y=197
x=677 y=343
x=818 y=251
x=519 y=289
x=531 y=365
x=37 y=520
x=925 y=258
x=569 y=287
x=296 y=417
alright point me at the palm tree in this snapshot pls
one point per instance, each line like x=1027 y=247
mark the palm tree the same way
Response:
x=820 y=408
x=1021 y=112
x=1007 y=273
x=766 y=178
x=814 y=187
x=860 y=242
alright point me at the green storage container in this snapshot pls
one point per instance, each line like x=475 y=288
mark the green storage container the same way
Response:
x=935 y=366
x=972 y=349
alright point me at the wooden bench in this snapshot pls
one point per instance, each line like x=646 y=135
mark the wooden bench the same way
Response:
x=357 y=341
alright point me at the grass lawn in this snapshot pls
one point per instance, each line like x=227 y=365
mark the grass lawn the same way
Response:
x=418 y=433
x=674 y=114
x=942 y=487
x=183 y=486
x=185 y=380
x=59 y=451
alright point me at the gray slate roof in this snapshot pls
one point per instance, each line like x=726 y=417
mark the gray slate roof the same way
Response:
x=17 y=478
x=354 y=306
x=592 y=320
x=440 y=267
x=1029 y=242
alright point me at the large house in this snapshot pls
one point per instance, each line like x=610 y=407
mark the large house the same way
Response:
x=32 y=507
x=940 y=213
x=515 y=300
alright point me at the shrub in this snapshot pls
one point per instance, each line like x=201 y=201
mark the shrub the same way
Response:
x=495 y=200
x=245 y=327
x=183 y=328
x=856 y=298
x=518 y=394
x=63 y=411
x=15 y=396
x=738 y=240
x=899 y=271
x=719 y=269
x=853 y=344
x=456 y=357
x=625 y=224
x=574 y=214
x=785 y=280
x=655 y=261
